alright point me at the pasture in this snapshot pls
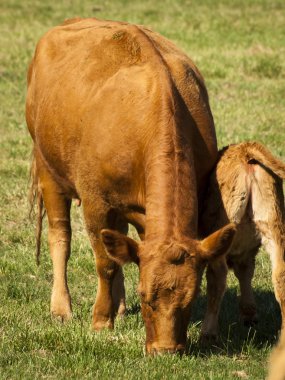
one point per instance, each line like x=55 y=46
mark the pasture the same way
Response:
x=239 y=46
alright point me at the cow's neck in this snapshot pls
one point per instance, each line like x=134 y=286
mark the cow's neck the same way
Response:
x=171 y=191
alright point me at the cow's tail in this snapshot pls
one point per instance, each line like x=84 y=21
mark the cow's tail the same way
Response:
x=36 y=198
x=257 y=152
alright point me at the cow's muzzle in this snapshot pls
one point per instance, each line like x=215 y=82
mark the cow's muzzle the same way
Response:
x=154 y=350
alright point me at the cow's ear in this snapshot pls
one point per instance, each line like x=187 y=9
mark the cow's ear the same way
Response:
x=218 y=243
x=120 y=248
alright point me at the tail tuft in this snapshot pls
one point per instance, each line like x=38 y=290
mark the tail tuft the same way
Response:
x=257 y=152
x=35 y=197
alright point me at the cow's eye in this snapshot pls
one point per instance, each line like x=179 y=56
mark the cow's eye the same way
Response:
x=179 y=258
x=152 y=305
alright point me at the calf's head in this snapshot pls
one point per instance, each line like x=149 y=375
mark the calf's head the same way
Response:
x=170 y=276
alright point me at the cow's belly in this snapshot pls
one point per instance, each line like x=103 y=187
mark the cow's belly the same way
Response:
x=86 y=171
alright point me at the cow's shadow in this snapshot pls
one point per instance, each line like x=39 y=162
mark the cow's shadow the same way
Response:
x=234 y=337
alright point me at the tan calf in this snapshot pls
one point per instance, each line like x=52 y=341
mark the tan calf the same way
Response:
x=277 y=361
x=246 y=189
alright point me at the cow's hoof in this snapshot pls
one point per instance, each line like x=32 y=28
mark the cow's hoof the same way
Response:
x=60 y=307
x=99 y=323
x=122 y=310
x=61 y=318
x=61 y=315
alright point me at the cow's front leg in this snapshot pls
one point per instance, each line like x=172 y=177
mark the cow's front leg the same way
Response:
x=106 y=302
x=59 y=238
x=216 y=284
x=244 y=272
x=110 y=297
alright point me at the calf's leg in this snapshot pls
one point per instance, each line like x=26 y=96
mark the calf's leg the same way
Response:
x=278 y=278
x=244 y=271
x=275 y=246
x=269 y=217
x=118 y=293
x=216 y=284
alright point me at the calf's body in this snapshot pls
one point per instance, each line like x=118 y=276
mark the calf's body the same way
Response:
x=120 y=119
x=245 y=189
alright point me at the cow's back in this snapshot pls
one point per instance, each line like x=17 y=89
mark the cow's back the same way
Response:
x=100 y=89
x=190 y=85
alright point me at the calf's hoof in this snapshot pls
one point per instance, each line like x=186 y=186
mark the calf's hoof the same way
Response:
x=248 y=315
x=208 y=339
x=250 y=322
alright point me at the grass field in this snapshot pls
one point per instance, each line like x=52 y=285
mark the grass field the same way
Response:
x=239 y=45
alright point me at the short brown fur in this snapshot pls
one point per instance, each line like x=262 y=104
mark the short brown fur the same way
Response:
x=246 y=189
x=277 y=361
x=121 y=121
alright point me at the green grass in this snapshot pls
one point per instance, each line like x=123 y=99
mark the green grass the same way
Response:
x=239 y=45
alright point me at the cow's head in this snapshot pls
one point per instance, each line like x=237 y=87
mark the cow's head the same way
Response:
x=170 y=276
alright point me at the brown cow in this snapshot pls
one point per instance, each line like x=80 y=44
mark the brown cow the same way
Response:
x=120 y=119
x=246 y=189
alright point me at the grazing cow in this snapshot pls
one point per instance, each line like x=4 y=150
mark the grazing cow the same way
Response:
x=120 y=119
x=246 y=189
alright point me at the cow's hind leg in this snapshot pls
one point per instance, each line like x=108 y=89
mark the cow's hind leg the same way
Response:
x=244 y=271
x=110 y=297
x=216 y=284
x=59 y=237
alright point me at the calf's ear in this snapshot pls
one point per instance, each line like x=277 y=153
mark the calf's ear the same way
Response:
x=119 y=247
x=218 y=243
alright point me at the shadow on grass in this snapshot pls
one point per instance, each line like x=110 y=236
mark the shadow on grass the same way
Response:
x=133 y=309
x=234 y=337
